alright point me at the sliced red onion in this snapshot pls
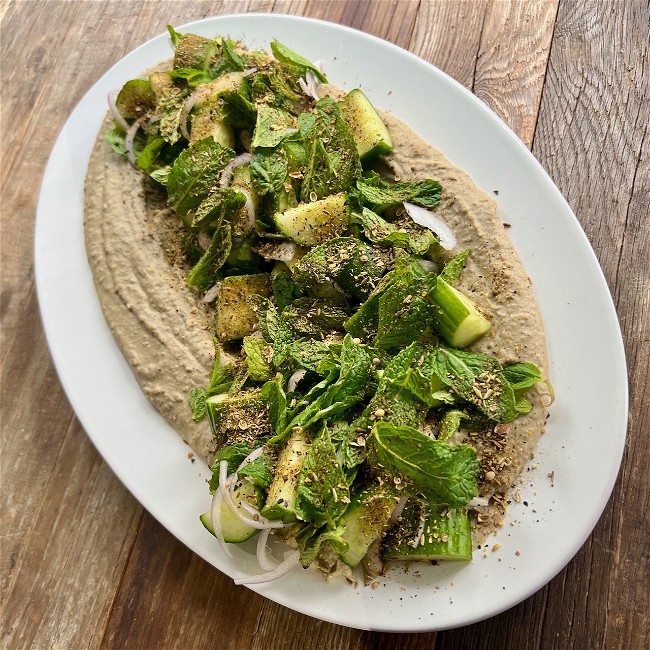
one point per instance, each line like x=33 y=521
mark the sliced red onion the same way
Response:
x=309 y=85
x=201 y=93
x=294 y=380
x=226 y=175
x=211 y=293
x=479 y=502
x=129 y=140
x=204 y=239
x=267 y=562
x=416 y=541
x=291 y=562
x=112 y=103
x=282 y=252
x=226 y=484
x=397 y=511
x=215 y=516
x=434 y=223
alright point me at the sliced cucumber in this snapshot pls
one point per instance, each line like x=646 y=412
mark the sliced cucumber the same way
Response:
x=234 y=529
x=365 y=520
x=455 y=316
x=429 y=533
x=281 y=497
x=241 y=180
x=368 y=129
x=313 y=223
x=234 y=315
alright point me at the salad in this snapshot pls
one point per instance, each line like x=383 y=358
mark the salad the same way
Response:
x=347 y=407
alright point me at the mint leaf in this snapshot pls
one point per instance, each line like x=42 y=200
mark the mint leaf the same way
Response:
x=275 y=396
x=268 y=172
x=404 y=234
x=332 y=159
x=174 y=35
x=323 y=494
x=258 y=355
x=194 y=174
x=445 y=474
x=379 y=195
x=287 y=56
x=403 y=309
x=522 y=375
x=115 y=139
x=454 y=267
x=259 y=472
x=234 y=454
x=271 y=126
x=449 y=423
x=197 y=404
x=478 y=379
x=203 y=274
x=310 y=539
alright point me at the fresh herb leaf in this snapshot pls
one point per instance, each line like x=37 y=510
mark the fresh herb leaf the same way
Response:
x=332 y=158
x=310 y=539
x=287 y=56
x=234 y=454
x=449 y=423
x=445 y=474
x=268 y=172
x=454 y=267
x=115 y=139
x=193 y=174
x=174 y=35
x=323 y=493
x=380 y=195
x=271 y=126
x=403 y=308
x=257 y=353
x=203 y=274
x=522 y=375
x=478 y=379
x=193 y=77
x=274 y=394
x=259 y=472
x=197 y=404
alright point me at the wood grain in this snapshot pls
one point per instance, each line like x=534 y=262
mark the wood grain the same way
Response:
x=80 y=564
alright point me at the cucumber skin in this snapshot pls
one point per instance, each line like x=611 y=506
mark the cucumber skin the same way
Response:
x=365 y=520
x=234 y=530
x=368 y=129
x=281 y=497
x=398 y=543
x=456 y=317
x=309 y=224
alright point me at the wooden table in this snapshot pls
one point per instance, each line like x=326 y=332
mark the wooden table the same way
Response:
x=82 y=564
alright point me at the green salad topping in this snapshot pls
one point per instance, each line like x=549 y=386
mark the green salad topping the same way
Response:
x=339 y=333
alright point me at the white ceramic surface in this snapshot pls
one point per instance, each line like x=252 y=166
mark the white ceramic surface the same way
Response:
x=586 y=431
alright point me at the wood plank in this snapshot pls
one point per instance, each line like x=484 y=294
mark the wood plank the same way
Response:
x=592 y=136
x=171 y=598
x=495 y=48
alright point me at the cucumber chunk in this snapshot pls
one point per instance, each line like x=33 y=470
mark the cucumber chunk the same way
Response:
x=368 y=129
x=281 y=497
x=455 y=316
x=234 y=315
x=429 y=533
x=365 y=521
x=234 y=529
x=313 y=223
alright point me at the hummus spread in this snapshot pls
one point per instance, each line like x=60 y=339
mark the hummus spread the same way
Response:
x=165 y=331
